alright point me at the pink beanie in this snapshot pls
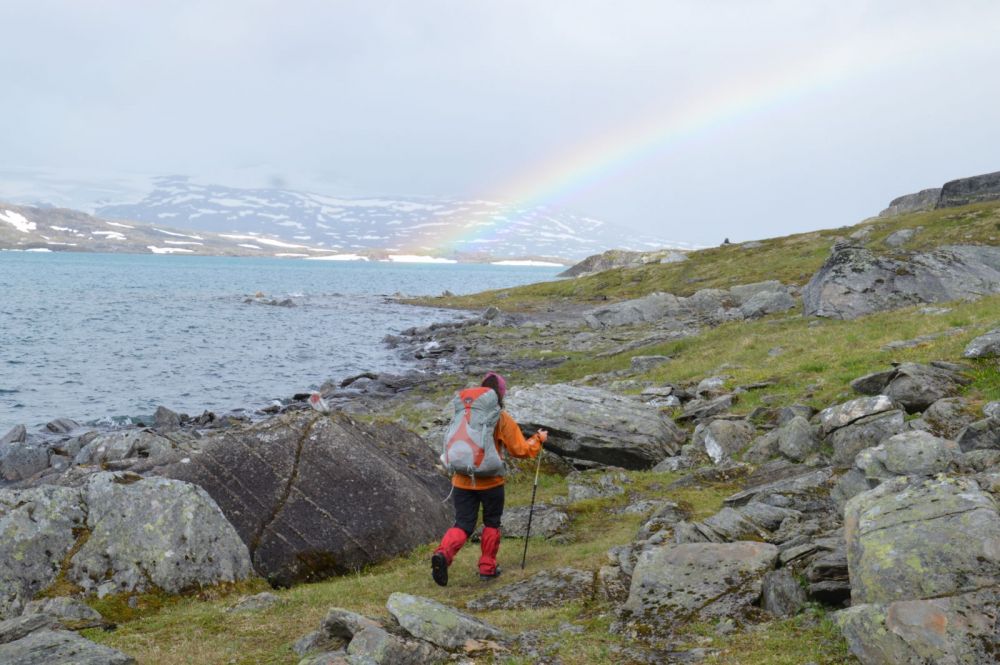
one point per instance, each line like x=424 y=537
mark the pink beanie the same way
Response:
x=501 y=383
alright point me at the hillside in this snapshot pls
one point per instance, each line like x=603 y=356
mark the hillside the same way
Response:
x=448 y=227
x=790 y=260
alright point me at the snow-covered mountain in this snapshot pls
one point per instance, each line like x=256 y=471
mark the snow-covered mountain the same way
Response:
x=453 y=228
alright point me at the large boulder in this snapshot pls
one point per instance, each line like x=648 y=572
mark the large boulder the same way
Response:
x=921 y=539
x=854 y=281
x=596 y=425
x=955 y=629
x=925 y=199
x=154 y=533
x=38 y=528
x=314 y=495
x=984 y=346
x=974 y=189
x=20 y=461
x=123 y=445
x=915 y=386
x=675 y=584
x=981 y=435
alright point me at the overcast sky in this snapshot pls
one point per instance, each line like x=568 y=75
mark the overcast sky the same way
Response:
x=695 y=119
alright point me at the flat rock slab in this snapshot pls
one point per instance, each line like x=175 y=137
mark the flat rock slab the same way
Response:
x=596 y=425
x=955 y=629
x=313 y=495
x=546 y=589
x=912 y=453
x=439 y=624
x=676 y=584
x=921 y=539
x=47 y=647
x=546 y=521
x=844 y=414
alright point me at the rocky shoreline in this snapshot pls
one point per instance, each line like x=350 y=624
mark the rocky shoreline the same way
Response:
x=881 y=508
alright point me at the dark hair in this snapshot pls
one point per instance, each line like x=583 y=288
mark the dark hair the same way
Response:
x=491 y=381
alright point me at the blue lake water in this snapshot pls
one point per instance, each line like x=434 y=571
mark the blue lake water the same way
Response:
x=91 y=336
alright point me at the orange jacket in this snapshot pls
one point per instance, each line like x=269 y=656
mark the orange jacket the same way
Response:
x=508 y=435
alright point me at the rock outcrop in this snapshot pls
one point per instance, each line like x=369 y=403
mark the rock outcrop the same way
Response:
x=596 y=425
x=115 y=534
x=925 y=199
x=314 y=495
x=976 y=189
x=622 y=258
x=854 y=281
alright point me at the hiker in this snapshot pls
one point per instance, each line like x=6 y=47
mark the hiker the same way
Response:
x=476 y=411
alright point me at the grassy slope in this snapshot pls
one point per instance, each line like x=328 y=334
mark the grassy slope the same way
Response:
x=816 y=362
x=792 y=259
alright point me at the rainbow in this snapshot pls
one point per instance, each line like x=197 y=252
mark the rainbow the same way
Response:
x=558 y=178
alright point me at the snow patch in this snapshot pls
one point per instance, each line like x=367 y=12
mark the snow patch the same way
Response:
x=124 y=226
x=168 y=250
x=111 y=235
x=263 y=241
x=183 y=242
x=178 y=235
x=19 y=221
x=338 y=257
x=256 y=247
x=418 y=258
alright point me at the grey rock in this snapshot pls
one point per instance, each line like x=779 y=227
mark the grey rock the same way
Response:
x=949 y=416
x=22 y=461
x=763 y=448
x=155 y=533
x=546 y=589
x=984 y=346
x=974 y=189
x=124 y=445
x=767 y=302
x=711 y=387
x=900 y=237
x=22 y=626
x=700 y=409
x=291 y=486
x=730 y=525
x=868 y=432
x=38 y=527
x=796 y=440
x=647 y=309
x=672 y=464
x=981 y=460
x=781 y=594
x=596 y=485
x=991 y=409
x=956 y=629
x=915 y=387
x=666 y=517
x=786 y=413
x=375 y=646
x=980 y=435
x=316 y=642
x=256 y=603
x=165 y=419
x=646 y=363
x=16 y=434
x=722 y=439
x=854 y=281
x=68 y=613
x=797 y=490
x=849 y=486
x=873 y=384
x=439 y=624
x=925 y=199
x=62 y=426
x=842 y=415
x=46 y=647
x=546 y=521
x=925 y=539
x=596 y=425
x=620 y=258
x=908 y=454
x=696 y=581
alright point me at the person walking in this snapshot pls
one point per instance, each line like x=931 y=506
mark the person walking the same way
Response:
x=470 y=490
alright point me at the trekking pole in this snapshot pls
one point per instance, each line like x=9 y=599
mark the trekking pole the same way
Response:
x=531 y=511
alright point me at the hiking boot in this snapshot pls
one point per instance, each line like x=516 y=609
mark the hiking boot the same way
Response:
x=486 y=578
x=439 y=569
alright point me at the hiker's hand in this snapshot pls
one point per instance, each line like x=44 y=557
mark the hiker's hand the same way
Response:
x=542 y=435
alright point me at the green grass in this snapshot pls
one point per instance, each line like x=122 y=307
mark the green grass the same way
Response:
x=791 y=259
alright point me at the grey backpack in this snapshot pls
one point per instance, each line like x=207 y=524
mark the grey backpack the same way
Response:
x=469 y=447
